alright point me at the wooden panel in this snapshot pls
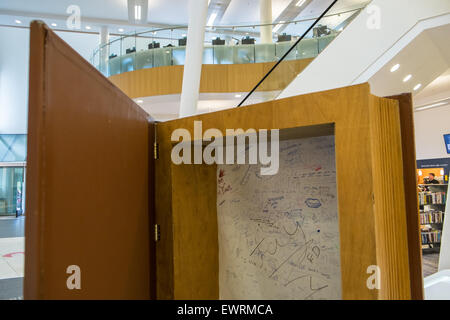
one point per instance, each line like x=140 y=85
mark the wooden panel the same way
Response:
x=194 y=191
x=88 y=180
x=214 y=78
x=389 y=200
x=361 y=176
x=411 y=200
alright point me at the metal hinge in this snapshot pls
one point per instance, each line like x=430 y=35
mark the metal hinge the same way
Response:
x=157 y=233
x=156 y=150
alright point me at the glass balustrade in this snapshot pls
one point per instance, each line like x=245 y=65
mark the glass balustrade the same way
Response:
x=223 y=45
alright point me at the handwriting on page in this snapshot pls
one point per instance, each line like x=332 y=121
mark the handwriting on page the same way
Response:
x=279 y=235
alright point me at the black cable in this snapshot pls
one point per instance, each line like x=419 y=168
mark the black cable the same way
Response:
x=287 y=52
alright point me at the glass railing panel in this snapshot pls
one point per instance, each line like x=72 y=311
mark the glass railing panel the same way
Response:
x=265 y=52
x=127 y=62
x=144 y=59
x=114 y=66
x=244 y=54
x=162 y=57
x=128 y=45
x=282 y=47
x=223 y=55
x=325 y=41
x=103 y=58
x=307 y=48
x=115 y=48
x=208 y=55
x=179 y=56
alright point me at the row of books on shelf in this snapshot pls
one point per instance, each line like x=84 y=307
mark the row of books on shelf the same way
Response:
x=431 y=217
x=432 y=198
x=433 y=236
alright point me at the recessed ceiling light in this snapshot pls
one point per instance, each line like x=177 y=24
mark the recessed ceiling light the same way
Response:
x=407 y=78
x=238 y=95
x=395 y=67
x=120 y=30
x=54 y=24
x=88 y=28
x=139 y=101
x=417 y=87
x=300 y=3
x=17 y=21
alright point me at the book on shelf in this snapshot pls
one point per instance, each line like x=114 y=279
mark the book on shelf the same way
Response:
x=427 y=197
x=430 y=237
x=431 y=217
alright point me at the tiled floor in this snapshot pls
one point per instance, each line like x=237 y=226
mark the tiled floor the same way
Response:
x=11 y=257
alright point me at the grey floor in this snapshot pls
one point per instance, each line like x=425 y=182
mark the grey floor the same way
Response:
x=11 y=227
x=430 y=263
x=11 y=289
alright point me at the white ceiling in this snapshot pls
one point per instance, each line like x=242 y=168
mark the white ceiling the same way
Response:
x=114 y=14
x=426 y=58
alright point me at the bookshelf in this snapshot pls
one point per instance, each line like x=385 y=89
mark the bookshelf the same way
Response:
x=432 y=201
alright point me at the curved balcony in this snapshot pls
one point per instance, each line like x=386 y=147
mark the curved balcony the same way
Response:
x=214 y=54
x=223 y=45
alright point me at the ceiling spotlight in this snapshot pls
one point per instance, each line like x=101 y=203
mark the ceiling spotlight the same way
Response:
x=395 y=68
x=17 y=21
x=120 y=30
x=417 y=87
x=300 y=3
x=139 y=101
x=407 y=78
x=88 y=28
x=237 y=95
x=54 y=24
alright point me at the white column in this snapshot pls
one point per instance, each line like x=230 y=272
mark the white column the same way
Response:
x=197 y=12
x=265 y=13
x=104 y=51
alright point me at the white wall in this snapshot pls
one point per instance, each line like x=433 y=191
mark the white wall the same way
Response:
x=14 y=52
x=430 y=126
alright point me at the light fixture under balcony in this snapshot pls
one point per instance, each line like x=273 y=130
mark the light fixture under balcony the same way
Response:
x=407 y=78
x=395 y=67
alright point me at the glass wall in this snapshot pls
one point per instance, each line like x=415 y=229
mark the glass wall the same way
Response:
x=11 y=190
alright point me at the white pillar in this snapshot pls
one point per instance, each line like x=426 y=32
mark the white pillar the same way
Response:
x=104 y=50
x=265 y=13
x=197 y=12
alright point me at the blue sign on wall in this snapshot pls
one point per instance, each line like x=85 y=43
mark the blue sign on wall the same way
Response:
x=447 y=142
